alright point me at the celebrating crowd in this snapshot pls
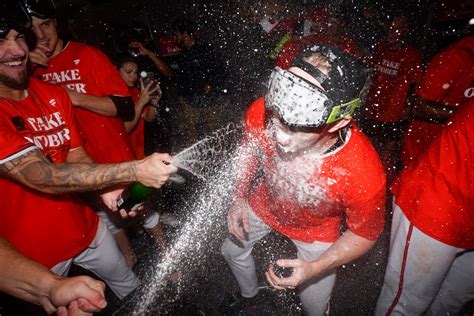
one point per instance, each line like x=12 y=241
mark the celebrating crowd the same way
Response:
x=338 y=131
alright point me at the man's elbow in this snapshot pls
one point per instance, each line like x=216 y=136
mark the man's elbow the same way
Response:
x=125 y=107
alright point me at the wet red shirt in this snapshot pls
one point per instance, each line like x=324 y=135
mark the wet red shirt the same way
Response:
x=307 y=198
x=394 y=72
x=45 y=227
x=449 y=79
x=436 y=193
x=86 y=69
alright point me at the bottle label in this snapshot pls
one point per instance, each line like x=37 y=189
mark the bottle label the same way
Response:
x=120 y=201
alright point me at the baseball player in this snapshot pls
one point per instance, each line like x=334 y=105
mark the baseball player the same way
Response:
x=42 y=162
x=101 y=99
x=430 y=268
x=447 y=85
x=318 y=170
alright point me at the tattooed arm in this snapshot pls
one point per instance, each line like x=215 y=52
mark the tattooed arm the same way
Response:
x=34 y=170
x=79 y=155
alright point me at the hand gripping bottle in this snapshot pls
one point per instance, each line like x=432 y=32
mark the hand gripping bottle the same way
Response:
x=136 y=193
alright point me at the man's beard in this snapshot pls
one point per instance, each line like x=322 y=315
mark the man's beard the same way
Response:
x=17 y=84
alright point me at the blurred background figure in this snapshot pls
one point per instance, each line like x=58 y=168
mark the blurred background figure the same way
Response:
x=396 y=70
x=331 y=30
x=430 y=269
x=200 y=75
x=447 y=85
x=145 y=98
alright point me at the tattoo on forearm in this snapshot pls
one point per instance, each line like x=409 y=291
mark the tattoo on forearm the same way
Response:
x=35 y=170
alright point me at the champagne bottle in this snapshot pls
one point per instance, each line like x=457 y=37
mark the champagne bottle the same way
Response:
x=136 y=193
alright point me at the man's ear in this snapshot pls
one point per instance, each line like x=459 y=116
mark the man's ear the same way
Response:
x=340 y=124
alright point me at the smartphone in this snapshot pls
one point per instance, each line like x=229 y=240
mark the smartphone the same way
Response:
x=148 y=77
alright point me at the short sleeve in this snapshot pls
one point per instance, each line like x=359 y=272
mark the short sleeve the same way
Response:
x=365 y=193
x=70 y=117
x=12 y=144
x=441 y=73
x=107 y=78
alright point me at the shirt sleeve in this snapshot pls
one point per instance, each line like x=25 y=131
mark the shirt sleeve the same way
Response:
x=441 y=73
x=12 y=144
x=365 y=195
x=107 y=78
x=416 y=72
x=248 y=155
x=70 y=117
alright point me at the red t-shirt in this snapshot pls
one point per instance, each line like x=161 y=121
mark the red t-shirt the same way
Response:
x=436 y=193
x=449 y=79
x=294 y=46
x=137 y=135
x=85 y=69
x=307 y=198
x=45 y=227
x=394 y=72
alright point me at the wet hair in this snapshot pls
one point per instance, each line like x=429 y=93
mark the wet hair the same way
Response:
x=121 y=60
x=346 y=77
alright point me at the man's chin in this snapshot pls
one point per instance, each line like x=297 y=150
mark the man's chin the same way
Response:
x=284 y=154
x=17 y=84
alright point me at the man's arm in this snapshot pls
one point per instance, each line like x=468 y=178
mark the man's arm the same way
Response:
x=30 y=281
x=34 y=170
x=162 y=66
x=121 y=107
x=346 y=249
x=430 y=111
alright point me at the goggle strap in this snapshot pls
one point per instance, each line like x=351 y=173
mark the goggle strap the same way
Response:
x=340 y=111
x=313 y=71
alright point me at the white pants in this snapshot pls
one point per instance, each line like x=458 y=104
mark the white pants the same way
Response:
x=314 y=294
x=104 y=259
x=150 y=220
x=424 y=274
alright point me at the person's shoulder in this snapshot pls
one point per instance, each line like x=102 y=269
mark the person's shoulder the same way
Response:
x=360 y=148
x=460 y=52
x=44 y=88
x=462 y=120
x=84 y=49
x=46 y=91
x=255 y=114
x=410 y=49
x=466 y=43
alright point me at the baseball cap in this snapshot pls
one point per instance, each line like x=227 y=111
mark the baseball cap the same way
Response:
x=13 y=16
x=300 y=103
x=43 y=9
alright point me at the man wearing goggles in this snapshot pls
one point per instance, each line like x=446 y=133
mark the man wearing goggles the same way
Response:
x=317 y=170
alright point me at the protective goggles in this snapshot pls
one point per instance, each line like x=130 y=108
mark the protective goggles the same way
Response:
x=301 y=104
x=13 y=16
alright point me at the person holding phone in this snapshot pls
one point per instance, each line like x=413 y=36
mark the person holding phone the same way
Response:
x=145 y=99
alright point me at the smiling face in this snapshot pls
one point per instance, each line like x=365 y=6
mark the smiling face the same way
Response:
x=13 y=61
x=47 y=35
x=128 y=72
